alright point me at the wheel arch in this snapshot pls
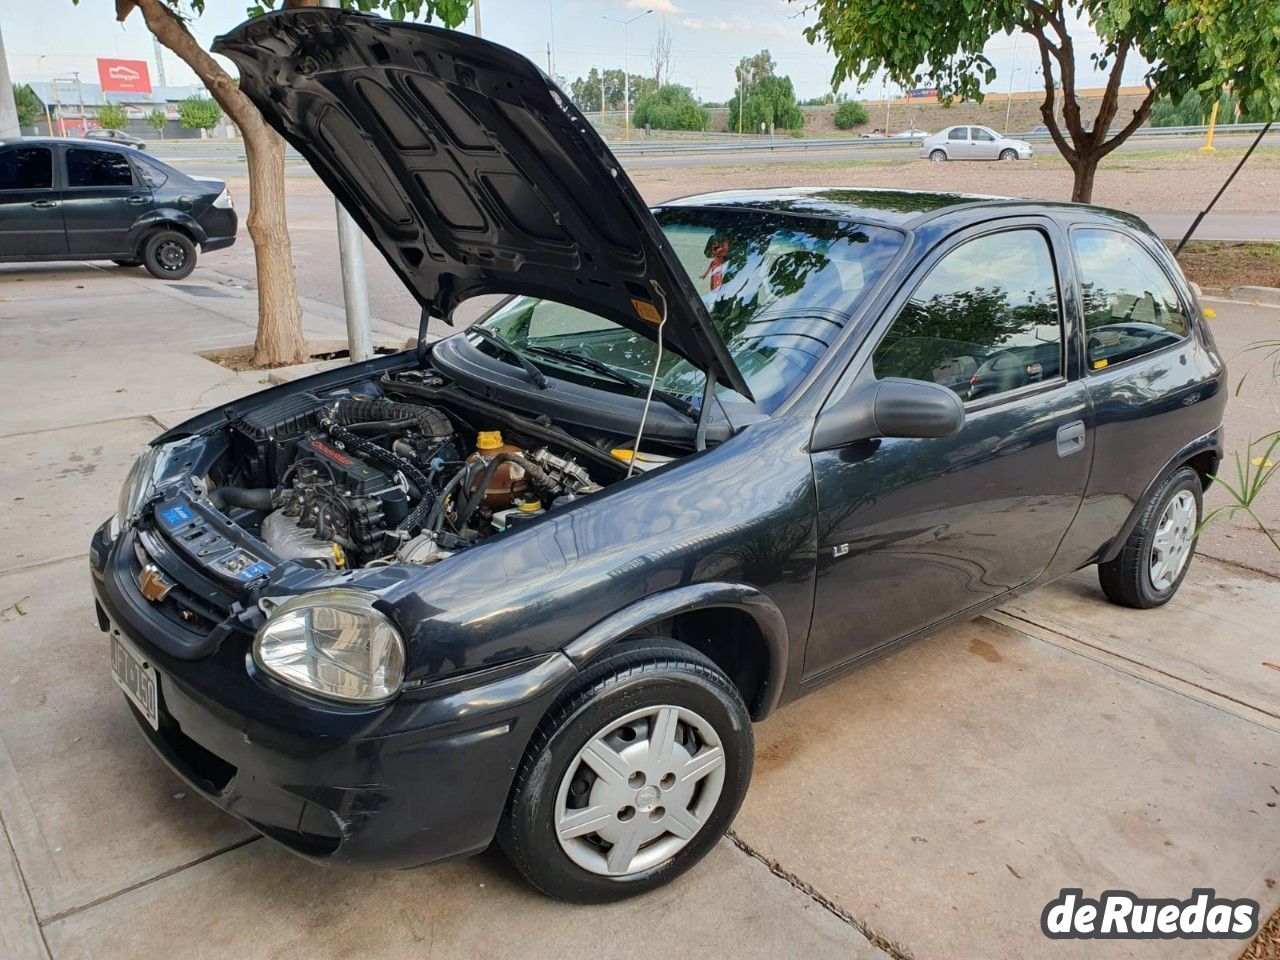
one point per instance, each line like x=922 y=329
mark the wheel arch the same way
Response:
x=738 y=626
x=166 y=219
x=1203 y=455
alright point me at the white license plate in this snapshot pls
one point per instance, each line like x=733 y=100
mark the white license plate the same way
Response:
x=136 y=678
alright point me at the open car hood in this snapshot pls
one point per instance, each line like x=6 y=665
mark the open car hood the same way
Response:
x=471 y=171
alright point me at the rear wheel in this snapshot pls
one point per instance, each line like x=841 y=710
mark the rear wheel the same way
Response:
x=938 y=156
x=1008 y=154
x=1157 y=554
x=632 y=778
x=169 y=255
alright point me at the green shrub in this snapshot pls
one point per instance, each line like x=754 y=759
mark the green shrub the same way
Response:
x=851 y=114
x=671 y=107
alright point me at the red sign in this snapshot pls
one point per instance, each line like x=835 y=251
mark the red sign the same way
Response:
x=124 y=76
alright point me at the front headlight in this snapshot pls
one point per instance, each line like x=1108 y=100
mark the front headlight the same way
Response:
x=139 y=483
x=335 y=644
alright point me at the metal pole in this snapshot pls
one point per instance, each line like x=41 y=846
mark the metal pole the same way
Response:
x=626 y=78
x=1213 y=122
x=355 y=284
x=57 y=102
x=84 y=127
x=1201 y=215
x=8 y=109
x=551 y=41
x=475 y=11
x=1013 y=68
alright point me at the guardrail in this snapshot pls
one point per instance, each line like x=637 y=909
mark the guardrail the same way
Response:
x=764 y=143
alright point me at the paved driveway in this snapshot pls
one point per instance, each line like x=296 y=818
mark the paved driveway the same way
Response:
x=927 y=806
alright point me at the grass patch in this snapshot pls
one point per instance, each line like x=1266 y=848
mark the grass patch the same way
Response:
x=1226 y=263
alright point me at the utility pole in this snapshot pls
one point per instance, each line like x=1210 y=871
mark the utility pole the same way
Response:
x=551 y=41
x=626 y=72
x=355 y=284
x=475 y=13
x=8 y=109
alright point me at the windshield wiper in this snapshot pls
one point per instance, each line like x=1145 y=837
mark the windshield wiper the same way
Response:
x=678 y=404
x=536 y=376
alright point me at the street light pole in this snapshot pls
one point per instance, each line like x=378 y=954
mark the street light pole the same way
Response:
x=626 y=75
x=355 y=284
x=1013 y=68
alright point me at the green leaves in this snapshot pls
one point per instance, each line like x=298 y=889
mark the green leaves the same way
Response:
x=111 y=116
x=670 y=107
x=450 y=13
x=199 y=113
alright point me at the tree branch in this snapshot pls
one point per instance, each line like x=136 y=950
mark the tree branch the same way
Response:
x=1047 y=111
x=170 y=30
x=1138 y=119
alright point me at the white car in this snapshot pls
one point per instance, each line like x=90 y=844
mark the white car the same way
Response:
x=973 y=143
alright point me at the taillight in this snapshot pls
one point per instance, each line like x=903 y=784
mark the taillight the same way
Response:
x=224 y=199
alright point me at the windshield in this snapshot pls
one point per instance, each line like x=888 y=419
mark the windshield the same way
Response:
x=779 y=289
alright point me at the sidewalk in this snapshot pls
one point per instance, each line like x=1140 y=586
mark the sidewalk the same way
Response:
x=925 y=807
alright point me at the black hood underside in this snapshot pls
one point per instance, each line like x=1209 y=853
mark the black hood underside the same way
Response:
x=470 y=170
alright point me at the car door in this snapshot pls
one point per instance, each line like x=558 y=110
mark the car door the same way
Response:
x=914 y=531
x=982 y=144
x=958 y=143
x=30 y=203
x=102 y=201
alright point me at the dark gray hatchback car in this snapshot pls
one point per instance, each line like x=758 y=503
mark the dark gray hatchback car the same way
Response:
x=66 y=199
x=534 y=582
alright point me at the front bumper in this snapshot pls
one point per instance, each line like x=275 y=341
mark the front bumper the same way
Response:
x=422 y=779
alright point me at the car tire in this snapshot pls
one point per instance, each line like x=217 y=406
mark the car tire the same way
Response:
x=1008 y=154
x=1157 y=554
x=169 y=255
x=126 y=261
x=605 y=746
x=938 y=156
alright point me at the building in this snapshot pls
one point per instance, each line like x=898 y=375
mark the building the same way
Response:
x=74 y=107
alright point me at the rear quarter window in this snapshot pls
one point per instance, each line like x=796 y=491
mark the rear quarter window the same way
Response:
x=1130 y=305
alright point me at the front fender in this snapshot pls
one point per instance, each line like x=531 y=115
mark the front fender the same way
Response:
x=695 y=596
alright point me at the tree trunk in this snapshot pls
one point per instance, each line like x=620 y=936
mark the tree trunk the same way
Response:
x=279 y=340
x=1085 y=169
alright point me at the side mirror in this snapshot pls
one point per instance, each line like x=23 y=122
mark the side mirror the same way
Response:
x=891 y=407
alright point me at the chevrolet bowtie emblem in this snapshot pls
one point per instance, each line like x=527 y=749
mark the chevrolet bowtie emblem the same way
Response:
x=154 y=584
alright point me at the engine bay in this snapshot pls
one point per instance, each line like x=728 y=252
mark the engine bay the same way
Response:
x=398 y=469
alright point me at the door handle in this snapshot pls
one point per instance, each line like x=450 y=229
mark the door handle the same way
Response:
x=44 y=204
x=1071 y=438
x=138 y=198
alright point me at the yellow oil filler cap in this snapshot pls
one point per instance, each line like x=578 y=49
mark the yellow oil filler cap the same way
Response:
x=530 y=506
x=622 y=454
x=488 y=439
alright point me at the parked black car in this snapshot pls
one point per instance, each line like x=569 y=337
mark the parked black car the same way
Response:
x=485 y=588
x=90 y=200
x=115 y=136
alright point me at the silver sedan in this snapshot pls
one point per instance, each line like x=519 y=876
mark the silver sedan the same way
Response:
x=973 y=143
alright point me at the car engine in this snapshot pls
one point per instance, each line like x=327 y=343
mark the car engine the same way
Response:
x=363 y=479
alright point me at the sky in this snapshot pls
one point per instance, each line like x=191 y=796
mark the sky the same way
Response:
x=52 y=38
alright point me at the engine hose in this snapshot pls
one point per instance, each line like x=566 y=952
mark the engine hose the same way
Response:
x=251 y=498
x=536 y=474
x=372 y=450
x=353 y=412
x=435 y=521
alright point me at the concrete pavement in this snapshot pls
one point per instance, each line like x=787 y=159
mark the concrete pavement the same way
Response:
x=926 y=807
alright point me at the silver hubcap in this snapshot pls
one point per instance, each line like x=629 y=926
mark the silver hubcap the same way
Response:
x=1171 y=545
x=639 y=790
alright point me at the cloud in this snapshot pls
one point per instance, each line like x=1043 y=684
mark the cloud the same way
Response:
x=727 y=26
x=657 y=6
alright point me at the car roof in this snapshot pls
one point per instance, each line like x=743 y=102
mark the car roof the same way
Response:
x=907 y=209
x=54 y=141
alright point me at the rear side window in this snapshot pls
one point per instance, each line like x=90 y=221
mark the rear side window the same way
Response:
x=153 y=175
x=98 y=168
x=1130 y=305
x=985 y=321
x=26 y=168
x=958 y=133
